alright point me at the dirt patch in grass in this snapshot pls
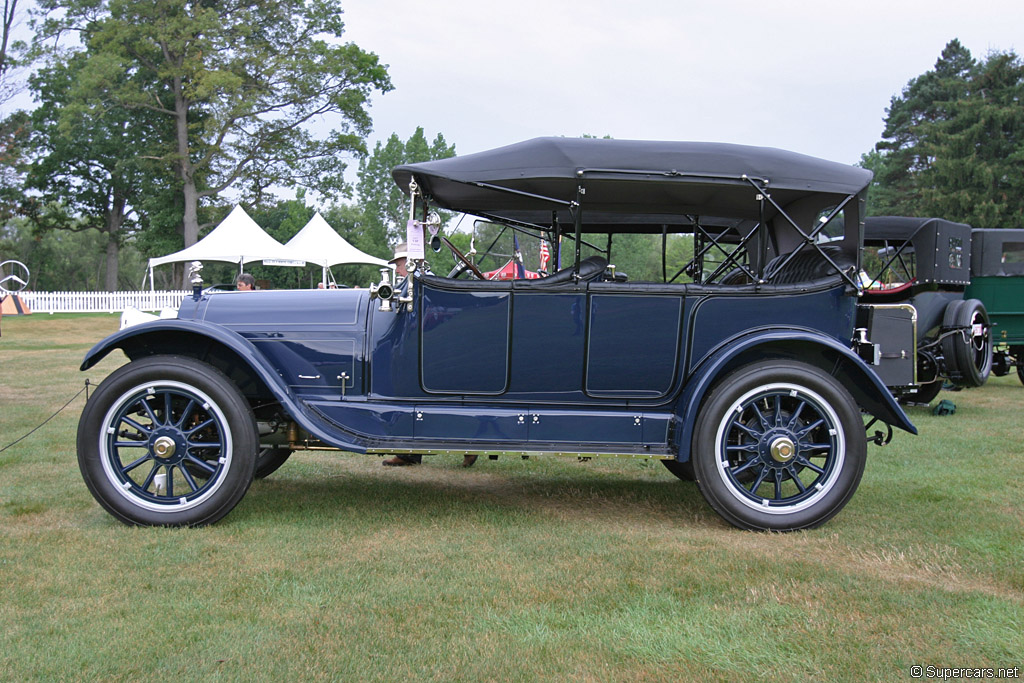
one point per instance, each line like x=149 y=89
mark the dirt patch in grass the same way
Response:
x=917 y=565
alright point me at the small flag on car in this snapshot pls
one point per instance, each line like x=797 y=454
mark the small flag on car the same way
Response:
x=520 y=268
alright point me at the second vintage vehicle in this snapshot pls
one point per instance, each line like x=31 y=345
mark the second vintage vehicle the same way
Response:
x=920 y=272
x=742 y=370
x=997 y=281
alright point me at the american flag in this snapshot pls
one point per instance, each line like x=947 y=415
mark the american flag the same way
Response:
x=545 y=255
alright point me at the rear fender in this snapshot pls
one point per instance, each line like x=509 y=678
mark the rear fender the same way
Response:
x=800 y=345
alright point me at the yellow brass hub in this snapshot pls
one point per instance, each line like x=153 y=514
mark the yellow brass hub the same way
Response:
x=164 y=447
x=783 y=449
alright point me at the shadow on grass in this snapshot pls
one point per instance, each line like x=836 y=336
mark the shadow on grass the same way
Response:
x=495 y=497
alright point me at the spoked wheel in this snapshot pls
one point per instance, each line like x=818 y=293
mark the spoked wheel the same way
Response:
x=269 y=459
x=167 y=441
x=778 y=445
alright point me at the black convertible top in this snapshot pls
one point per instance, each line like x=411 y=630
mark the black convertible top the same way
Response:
x=894 y=228
x=943 y=248
x=997 y=252
x=628 y=181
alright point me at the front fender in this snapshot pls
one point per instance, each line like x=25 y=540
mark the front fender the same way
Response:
x=140 y=340
x=195 y=338
x=823 y=352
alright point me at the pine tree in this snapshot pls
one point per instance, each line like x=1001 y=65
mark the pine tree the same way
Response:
x=907 y=154
x=953 y=145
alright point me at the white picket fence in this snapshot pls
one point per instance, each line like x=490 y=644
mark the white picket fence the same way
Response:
x=100 y=302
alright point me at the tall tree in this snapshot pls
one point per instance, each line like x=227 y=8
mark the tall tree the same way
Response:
x=241 y=81
x=14 y=135
x=977 y=172
x=8 y=22
x=385 y=206
x=14 y=126
x=953 y=144
x=906 y=155
x=88 y=160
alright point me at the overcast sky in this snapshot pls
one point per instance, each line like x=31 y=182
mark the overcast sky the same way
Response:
x=812 y=77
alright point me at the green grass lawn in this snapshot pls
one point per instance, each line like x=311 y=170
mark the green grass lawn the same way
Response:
x=548 y=569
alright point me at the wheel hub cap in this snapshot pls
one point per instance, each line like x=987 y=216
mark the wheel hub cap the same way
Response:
x=782 y=449
x=164 y=447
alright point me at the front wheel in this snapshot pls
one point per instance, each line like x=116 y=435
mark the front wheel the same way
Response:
x=167 y=441
x=778 y=445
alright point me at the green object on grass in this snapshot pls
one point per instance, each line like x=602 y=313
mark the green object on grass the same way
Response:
x=944 y=407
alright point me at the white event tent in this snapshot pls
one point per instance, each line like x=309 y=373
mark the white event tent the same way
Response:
x=238 y=239
x=319 y=243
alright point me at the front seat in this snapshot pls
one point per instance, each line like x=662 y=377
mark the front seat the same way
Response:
x=590 y=269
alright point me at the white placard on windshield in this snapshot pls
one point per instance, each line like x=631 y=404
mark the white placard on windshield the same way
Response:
x=414 y=240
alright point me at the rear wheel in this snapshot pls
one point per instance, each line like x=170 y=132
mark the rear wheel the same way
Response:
x=1017 y=353
x=778 y=445
x=1001 y=363
x=167 y=441
x=269 y=459
x=683 y=470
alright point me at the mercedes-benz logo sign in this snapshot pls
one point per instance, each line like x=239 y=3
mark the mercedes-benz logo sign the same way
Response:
x=13 y=277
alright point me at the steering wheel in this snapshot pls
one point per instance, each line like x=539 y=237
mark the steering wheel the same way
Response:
x=466 y=263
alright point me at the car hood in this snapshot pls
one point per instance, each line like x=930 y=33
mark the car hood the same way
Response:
x=277 y=309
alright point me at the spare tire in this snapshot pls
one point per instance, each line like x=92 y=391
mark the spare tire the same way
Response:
x=968 y=353
x=949 y=342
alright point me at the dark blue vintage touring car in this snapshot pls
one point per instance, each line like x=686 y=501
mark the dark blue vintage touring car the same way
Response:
x=743 y=371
